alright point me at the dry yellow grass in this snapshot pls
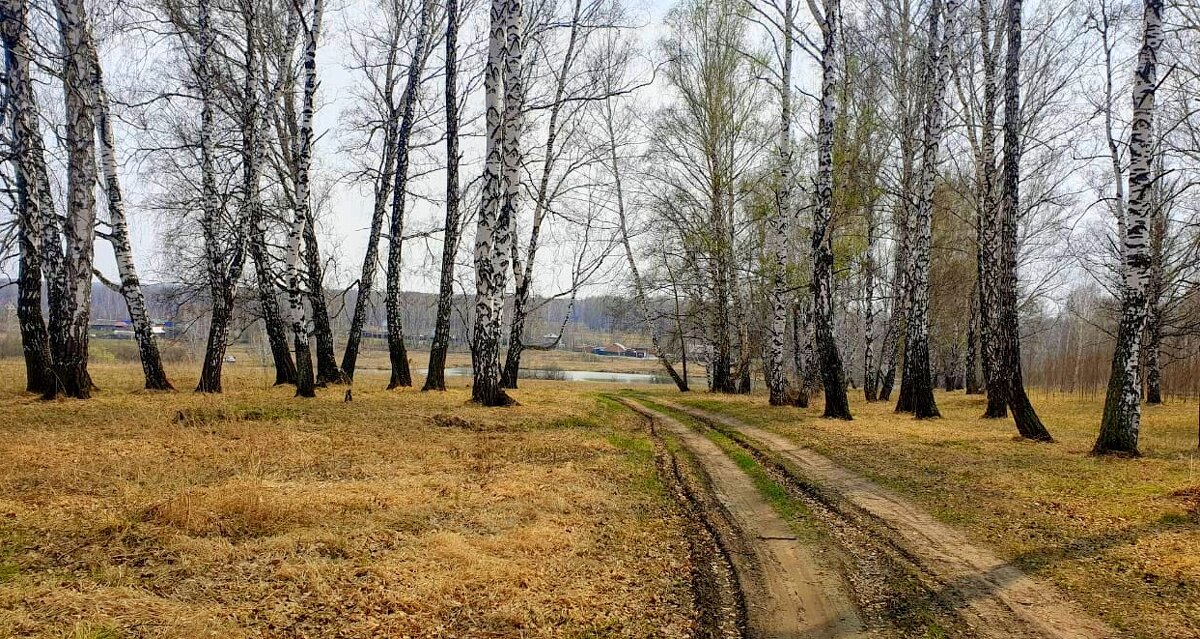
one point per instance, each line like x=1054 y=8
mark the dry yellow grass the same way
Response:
x=1120 y=536
x=401 y=514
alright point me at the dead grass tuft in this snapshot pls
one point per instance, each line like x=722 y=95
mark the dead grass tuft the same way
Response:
x=235 y=510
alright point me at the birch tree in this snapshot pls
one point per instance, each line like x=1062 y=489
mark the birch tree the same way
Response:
x=613 y=125
x=34 y=201
x=302 y=214
x=832 y=372
x=494 y=230
x=130 y=286
x=780 y=20
x=294 y=151
x=916 y=390
x=224 y=244
x=378 y=55
x=988 y=270
x=543 y=198
x=1008 y=364
x=901 y=50
x=398 y=354
x=70 y=308
x=254 y=125
x=436 y=370
x=1122 y=403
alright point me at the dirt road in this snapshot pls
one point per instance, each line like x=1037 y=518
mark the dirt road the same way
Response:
x=990 y=597
x=789 y=591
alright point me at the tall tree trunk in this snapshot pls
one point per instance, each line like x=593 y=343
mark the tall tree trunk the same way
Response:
x=34 y=201
x=1122 y=402
x=837 y=405
x=870 y=383
x=721 y=360
x=131 y=287
x=382 y=196
x=305 y=379
x=892 y=339
x=970 y=377
x=988 y=269
x=901 y=285
x=523 y=274
x=1154 y=301
x=435 y=377
x=366 y=281
x=222 y=277
x=778 y=229
x=917 y=378
x=1026 y=418
x=720 y=270
x=254 y=123
x=514 y=107
x=70 y=312
x=741 y=315
x=493 y=235
x=398 y=354
x=328 y=371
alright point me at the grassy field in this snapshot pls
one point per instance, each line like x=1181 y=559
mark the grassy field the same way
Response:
x=401 y=514
x=409 y=514
x=1121 y=536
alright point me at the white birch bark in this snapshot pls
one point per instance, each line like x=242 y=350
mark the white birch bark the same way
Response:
x=303 y=205
x=988 y=232
x=130 y=285
x=832 y=371
x=916 y=393
x=493 y=234
x=224 y=256
x=435 y=372
x=400 y=374
x=1028 y=424
x=1122 y=404
x=869 y=382
x=778 y=229
x=33 y=199
x=523 y=273
x=69 y=325
x=255 y=124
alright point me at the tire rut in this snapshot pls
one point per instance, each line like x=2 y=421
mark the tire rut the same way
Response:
x=717 y=600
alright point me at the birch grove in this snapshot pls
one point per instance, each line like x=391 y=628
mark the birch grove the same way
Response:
x=812 y=202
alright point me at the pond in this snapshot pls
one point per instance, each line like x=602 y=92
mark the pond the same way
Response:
x=575 y=376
